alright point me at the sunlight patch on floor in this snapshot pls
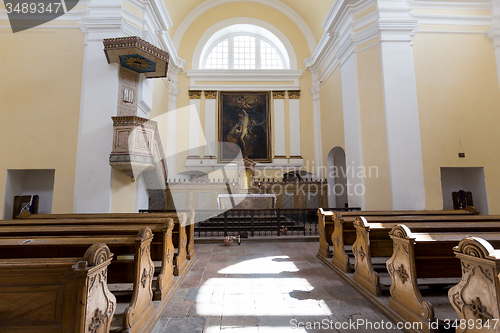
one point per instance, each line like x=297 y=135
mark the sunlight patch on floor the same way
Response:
x=260 y=287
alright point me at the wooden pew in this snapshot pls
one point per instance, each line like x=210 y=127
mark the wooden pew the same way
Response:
x=419 y=256
x=326 y=221
x=373 y=240
x=57 y=294
x=344 y=233
x=184 y=227
x=162 y=248
x=154 y=220
x=66 y=239
x=476 y=298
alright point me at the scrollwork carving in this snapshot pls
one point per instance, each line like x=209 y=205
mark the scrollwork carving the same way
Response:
x=362 y=253
x=403 y=275
x=98 y=320
x=475 y=247
x=145 y=233
x=144 y=278
x=97 y=254
x=400 y=231
x=479 y=311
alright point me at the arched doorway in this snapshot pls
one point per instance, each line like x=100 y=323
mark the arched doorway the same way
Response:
x=337 y=178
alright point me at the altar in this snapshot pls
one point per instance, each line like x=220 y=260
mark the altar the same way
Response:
x=246 y=201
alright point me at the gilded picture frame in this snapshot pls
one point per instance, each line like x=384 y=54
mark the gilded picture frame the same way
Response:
x=244 y=123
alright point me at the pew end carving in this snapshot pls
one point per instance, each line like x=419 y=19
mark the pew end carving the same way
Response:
x=141 y=306
x=476 y=297
x=405 y=294
x=166 y=277
x=324 y=232
x=364 y=273
x=339 y=256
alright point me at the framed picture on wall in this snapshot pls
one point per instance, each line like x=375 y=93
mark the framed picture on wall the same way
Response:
x=244 y=125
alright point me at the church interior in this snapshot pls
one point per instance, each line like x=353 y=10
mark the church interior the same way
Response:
x=343 y=150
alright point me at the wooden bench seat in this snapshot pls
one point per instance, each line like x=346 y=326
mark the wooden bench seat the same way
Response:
x=69 y=239
x=344 y=232
x=424 y=255
x=373 y=240
x=186 y=219
x=57 y=294
x=114 y=224
x=477 y=296
x=326 y=227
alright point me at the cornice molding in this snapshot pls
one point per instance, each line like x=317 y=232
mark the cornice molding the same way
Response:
x=339 y=28
x=477 y=5
x=453 y=19
x=393 y=21
x=265 y=79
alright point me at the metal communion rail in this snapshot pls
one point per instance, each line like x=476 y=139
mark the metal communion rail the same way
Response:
x=255 y=222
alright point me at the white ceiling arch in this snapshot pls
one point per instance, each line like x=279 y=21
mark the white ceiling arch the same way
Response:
x=209 y=4
x=278 y=37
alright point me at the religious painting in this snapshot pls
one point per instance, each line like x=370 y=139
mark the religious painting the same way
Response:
x=244 y=125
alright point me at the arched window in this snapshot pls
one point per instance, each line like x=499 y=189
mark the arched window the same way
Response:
x=245 y=50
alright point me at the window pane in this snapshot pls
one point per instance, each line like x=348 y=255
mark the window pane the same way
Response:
x=244 y=52
x=218 y=57
x=270 y=58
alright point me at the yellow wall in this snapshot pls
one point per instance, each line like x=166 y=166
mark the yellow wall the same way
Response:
x=459 y=99
x=40 y=93
x=374 y=139
x=314 y=19
x=123 y=193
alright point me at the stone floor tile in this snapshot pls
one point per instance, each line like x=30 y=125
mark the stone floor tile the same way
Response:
x=261 y=288
x=189 y=324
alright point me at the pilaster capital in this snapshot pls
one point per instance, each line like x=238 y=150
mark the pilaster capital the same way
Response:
x=210 y=94
x=294 y=94
x=194 y=94
x=395 y=22
x=279 y=94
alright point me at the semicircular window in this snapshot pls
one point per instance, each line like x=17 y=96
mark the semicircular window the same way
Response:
x=243 y=51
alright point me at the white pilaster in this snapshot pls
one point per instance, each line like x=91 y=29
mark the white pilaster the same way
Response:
x=318 y=150
x=352 y=130
x=294 y=114
x=173 y=92
x=494 y=32
x=210 y=125
x=194 y=128
x=99 y=99
x=279 y=127
x=401 y=105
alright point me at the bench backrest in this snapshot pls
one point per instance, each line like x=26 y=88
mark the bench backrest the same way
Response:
x=41 y=294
